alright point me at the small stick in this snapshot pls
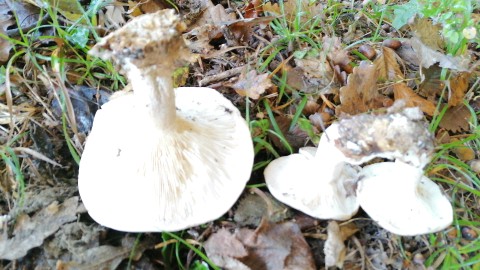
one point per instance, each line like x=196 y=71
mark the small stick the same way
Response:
x=221 y=76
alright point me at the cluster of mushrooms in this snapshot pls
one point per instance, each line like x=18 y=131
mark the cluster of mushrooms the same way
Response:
x=164 y=159
x=328 y=183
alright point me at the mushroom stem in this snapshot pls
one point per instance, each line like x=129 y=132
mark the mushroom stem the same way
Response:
x=154 y=95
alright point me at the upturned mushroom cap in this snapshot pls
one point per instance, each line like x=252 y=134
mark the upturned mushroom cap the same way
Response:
x=323 y=189
x=402 y=200
x=162 y=159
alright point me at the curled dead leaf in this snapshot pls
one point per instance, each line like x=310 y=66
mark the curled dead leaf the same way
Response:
x=361 y=92
x=458 y=88
x=387 y=66
x=402 y=91
x=251 y=84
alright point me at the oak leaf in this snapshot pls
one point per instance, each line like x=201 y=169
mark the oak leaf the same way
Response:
x=402 y=91
x=251 y=84
x=458 y=87
x=456 y=119
x=361 y=92
x=387 y=66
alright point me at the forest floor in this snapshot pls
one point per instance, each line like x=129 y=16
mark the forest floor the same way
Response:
x=292 y=68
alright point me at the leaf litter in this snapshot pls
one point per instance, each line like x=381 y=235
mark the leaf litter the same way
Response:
x=334 y=79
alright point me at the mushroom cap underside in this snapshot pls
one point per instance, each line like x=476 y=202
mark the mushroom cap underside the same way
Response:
x=402 y=200
x=134 y=177
x=319 y=191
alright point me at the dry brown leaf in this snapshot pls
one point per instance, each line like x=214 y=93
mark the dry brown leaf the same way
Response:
x=361 y=92
x=210 y=22
x=387 y=66
x=291 y=8
x=114 y=16
x=347 y=230
x=251 y=84
x=332 y=46
x=27 y=15
x=151 y=6
x=5 y=45
x=402 y=91
x=429 y=56
x=296 y=137
x=295 y=77
x=456 y=119
x=270 y=247
x=458 y=88
x=463 y=152
x=318 y=75
x=252 y=208
x=29 y=232
x=428 y=33
x=431 y=86
x=242 y=29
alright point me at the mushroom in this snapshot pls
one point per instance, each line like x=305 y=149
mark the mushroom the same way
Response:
x=317 y=182
x=402 y=200
x=161 y=159
x=400 y=134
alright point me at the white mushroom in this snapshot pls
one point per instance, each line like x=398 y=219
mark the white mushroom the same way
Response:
x=399 y=134
x=161 y=159
x=320 y=185
x=402 y=200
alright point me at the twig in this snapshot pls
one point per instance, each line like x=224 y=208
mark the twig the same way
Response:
x=221 y=76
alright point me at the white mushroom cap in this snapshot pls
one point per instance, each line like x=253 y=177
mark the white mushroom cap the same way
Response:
x=320 y=188
x=159 y=159
x=402 y=200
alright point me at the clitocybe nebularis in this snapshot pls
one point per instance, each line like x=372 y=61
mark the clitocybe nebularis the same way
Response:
x=161 y=159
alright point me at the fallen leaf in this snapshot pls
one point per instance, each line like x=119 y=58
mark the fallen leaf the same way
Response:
x=332 y=46
x=242 y=29
x=296 y=136
x=429 y=56
x=253 y=9
x=387 y=66
x=70 y=9
x=27 y=17
x=456 y=119
x=458 y=88
x=270 y=247
x=30 y=232
x=251 y=84
x=334 y=249
x=152 y=6
x=428 y=33
x=402 y=91
x=431 y=86
x=252 y=208
x=361 y=92
x=5 y=45
x=310 y=9
x=114 y=16
x=463 y=152
x=318 y=74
